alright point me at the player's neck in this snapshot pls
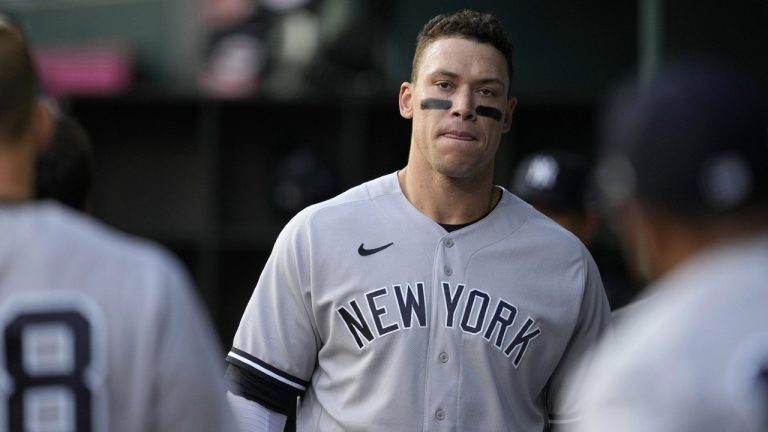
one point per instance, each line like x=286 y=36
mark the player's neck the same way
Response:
x=446 y=200
x=16 y=174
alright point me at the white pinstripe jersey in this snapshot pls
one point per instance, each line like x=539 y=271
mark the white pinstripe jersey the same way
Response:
x=391 y=323
x=100 y=332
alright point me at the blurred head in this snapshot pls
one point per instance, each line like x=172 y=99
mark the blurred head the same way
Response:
x=18 y=83
x=458 y=99
x=559 y=184
x=686 y=158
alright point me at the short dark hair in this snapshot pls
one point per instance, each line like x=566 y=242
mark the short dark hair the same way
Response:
x=478 y=26
x=19 y=84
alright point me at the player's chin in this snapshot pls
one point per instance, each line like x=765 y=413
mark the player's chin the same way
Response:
x=457 y=168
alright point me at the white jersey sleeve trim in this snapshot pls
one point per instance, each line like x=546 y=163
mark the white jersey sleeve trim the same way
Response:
x=266 y=371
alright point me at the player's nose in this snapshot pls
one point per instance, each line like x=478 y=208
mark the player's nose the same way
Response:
x=463 y=105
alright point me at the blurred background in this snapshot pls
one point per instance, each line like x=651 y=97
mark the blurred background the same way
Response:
x=213 y=121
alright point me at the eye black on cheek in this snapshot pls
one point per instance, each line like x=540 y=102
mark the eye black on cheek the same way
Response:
x=441 y=104
x=491 y=112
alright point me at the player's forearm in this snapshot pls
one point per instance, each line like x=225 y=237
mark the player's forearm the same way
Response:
x=254 y=417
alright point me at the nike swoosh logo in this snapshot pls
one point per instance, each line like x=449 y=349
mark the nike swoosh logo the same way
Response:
x=365 y=252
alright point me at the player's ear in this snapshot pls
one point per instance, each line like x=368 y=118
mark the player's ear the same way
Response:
x=508 y=112
x=406 y=100
x=44 y=122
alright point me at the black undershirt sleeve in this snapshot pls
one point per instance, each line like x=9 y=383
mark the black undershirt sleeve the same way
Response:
x=261 y=389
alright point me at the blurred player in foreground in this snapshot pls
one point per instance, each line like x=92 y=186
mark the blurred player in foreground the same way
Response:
x=686 y=173
x=98 y=331
x=426 y=299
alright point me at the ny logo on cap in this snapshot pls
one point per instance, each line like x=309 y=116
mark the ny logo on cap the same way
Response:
x=542 y=172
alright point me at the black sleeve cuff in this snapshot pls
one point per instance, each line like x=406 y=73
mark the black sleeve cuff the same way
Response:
x=263 y=384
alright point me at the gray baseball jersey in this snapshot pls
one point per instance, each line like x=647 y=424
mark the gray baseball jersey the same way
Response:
x=693 y=355
x=384 y=321
x=100 y=332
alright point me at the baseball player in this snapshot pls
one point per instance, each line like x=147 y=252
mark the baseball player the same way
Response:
x=98 y=331
x=427 y=299
x=558 y=184
x=687 y=172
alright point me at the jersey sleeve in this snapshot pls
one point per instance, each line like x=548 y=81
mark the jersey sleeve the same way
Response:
x=188 y=374
x=275 y=347
x=593 y=322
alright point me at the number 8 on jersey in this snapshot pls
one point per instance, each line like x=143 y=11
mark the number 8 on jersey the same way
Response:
x=50 y=374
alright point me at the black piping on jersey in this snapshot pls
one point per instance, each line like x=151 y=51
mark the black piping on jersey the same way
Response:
x=255 y=380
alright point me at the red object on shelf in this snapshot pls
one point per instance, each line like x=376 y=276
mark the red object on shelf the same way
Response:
x=101 y=69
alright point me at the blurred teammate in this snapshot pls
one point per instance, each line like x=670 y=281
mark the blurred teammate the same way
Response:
x=426 y=299
x=686 y=172
x=98 y=331
x=558 y=184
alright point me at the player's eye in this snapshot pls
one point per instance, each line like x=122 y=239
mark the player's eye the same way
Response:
x=443 y=85
x=486 y=92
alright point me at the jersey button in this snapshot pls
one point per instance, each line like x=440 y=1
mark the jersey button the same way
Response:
x=447 y=270
x=448 y=243
x=443 y=357
x=440 y=414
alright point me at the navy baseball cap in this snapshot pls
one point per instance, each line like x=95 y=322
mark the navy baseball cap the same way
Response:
x=557 y=179
x=692 y=141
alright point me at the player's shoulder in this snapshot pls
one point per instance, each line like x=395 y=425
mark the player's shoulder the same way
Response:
x=700 y=301
x=530 y=222
x=352 y=203
x=61 y=228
